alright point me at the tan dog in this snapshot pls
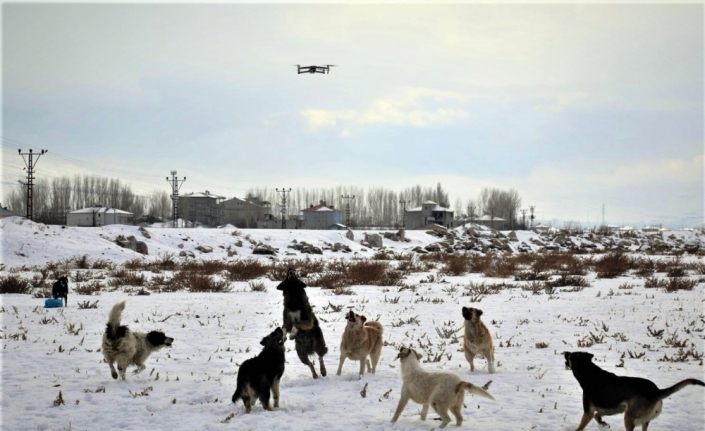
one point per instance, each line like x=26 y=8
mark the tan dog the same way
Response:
x=360 y=340
x=443 y=391
x=477 y=339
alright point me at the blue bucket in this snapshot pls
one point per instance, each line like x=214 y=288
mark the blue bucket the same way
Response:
x=53 y=303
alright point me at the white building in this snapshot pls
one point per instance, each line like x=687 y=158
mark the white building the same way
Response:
x=98 y=216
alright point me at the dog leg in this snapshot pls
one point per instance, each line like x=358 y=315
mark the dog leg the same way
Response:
x=490 y=361
x=363 y=363
x=601 y=422
x=113 y=372
x=443 y=413
x=122 y=367
x=246 y=401
x=470 y=358
x=400 y=407
x=456 y=412
x=629 y=422
x=369 y=366
x=340 y=363
x=645 y=426
x=587 y=417
x=140 y=368
x=264 y=399
x=424 y=411
x=322 y=366
x=275 y=391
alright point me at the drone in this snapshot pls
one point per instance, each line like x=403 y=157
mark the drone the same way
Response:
x=314 y=69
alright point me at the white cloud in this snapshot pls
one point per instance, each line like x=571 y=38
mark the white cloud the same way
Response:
x=415 y=107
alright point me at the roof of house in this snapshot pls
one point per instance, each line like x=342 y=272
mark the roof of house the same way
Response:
x=91 y=210
x=318 y=208
x=488 y=217
x=435 y=208
x=205 y=194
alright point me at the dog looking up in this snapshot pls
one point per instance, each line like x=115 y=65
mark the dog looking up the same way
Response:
x=477 y=340
x=442 y=391
x=607 y=394
x=360 y=340
x=301 y=323
x=60 y=289
x=258 y=375
x=125 y=347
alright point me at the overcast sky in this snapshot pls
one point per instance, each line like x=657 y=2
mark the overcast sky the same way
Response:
x=572 y=105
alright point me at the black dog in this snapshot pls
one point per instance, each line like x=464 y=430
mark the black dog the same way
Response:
x=60 y=289
x=301 y=323
x=607 y=394
x=260 y=374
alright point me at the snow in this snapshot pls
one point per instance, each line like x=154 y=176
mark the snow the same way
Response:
x=189 y=385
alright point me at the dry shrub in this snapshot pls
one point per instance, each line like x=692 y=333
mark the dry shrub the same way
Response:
x=81 y=262
x=166 y=261
x=14 y=284
x=645 y=267
x=205 y=267
x=257 y=286
x=612 y=265
x=243 y=270
x=102 y=264
x=455 y=264
x=501 y=267
x=135 y=264
x=195 y=282
x=304 y=268
x=360 y=272
x=568 y=280
x=480 y=263
x=91 y=288
x=127 y=278
x=680 y=283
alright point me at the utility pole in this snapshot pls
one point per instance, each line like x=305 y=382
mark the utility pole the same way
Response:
x=175 y=184
x=403 y=203
x=347 y=208
x=284 y=192
x=30 y=162
x=523 y=218
x=532 y=216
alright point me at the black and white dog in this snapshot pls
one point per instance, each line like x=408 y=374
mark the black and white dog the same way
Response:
x=258 y=375
x=60 y=289
x=301 y=323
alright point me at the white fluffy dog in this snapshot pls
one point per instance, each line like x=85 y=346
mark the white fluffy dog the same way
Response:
x=124 y=347
x=443 y=391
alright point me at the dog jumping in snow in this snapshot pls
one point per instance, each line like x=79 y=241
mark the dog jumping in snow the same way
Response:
x=125 y=347
x=477 y=340
x=360 y=340
x=301 y=323
x=442 y=391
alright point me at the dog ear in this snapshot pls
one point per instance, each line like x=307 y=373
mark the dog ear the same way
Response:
x=364 y=319
x=264 y=341
x=590 y=356
x=479 y=312
x=418 y=355
x=290 y=274
x=566 y=354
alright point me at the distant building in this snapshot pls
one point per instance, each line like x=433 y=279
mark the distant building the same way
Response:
x=321 y=216
x=428 y=213
x=200 y=208
x=245 y=213
x=4 y=212
x=98 y=216
x=498 y=223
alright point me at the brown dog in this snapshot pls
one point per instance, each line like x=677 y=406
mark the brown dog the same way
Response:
x=360 y=340
x=477 y=340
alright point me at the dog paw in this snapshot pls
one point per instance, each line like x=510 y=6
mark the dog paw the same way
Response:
x=115 y=376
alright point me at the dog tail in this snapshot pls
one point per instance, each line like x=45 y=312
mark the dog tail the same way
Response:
x=237 y=394
x=663 y=393
x=476 y=390
x=114 y=317
x=376 y=325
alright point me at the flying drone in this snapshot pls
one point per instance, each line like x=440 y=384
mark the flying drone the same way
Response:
x=314 y=69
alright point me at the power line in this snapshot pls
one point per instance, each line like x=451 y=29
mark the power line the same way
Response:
x=175 y=187
x=30 y=163
x=347 y=198
x=284 y=191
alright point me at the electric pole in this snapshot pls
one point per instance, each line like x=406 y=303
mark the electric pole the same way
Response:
x=532 y=216
x=30 y=162
x=284 y=192
x=403 y=213
x=523 y=218
x=347 y=198
x=175 y=184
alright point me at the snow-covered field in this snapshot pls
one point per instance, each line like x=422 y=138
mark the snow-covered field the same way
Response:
x=189 y=386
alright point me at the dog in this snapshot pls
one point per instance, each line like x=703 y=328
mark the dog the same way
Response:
x=477 y=339
x=125 y=347
x=301 y=323
x=442 y=391
x=60 y=289
x=607 y=394
x=360 y=340
x=258 y=375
